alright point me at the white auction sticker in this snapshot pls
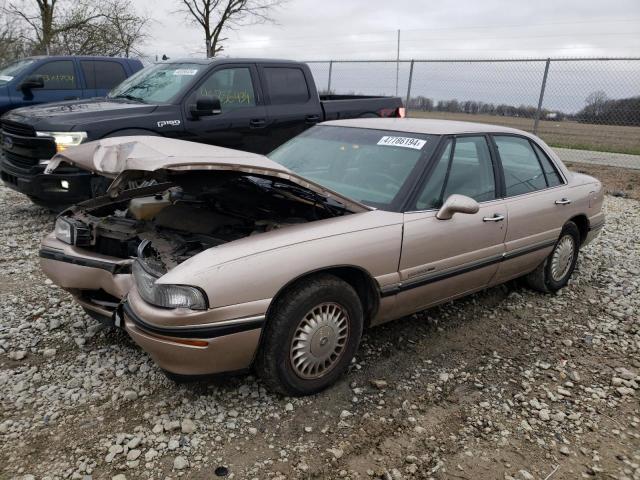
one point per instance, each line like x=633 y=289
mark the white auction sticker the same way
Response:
x=6 y=78
x=406 y=142
x=185 y=72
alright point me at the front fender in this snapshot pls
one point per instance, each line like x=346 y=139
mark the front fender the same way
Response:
x=261 y=274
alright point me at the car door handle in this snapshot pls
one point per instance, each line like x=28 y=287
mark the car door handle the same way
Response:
x=496 y=218
x=257 y=123
x=564 y=201
x=312 y=119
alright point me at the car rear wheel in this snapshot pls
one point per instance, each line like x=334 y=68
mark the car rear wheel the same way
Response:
x=554 y=273
x=311 y=335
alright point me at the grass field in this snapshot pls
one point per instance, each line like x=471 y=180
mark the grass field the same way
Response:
x=567 y=134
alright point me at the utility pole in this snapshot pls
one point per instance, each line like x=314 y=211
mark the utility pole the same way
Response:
x=398 y=63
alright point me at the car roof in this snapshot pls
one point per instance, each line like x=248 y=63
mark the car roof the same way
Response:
x=424 y=125
x=208 y=61
x=79 y=57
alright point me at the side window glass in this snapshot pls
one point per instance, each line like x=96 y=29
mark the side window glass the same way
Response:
x=58 y=75
x=553 y=176
x=431 y=196
x=522 y=170
x=102 y=74
x=286 y=85
x=471 y=171
x=233 y=86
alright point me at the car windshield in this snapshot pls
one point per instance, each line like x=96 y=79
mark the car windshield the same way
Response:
x=10 y=71
x=370 y=166
x=159 y=83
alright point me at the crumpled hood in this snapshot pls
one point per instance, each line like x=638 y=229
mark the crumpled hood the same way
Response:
x=114 y=157
x=69 y=114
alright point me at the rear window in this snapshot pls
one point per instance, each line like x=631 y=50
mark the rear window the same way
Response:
x=286 y=85
x=102 y=75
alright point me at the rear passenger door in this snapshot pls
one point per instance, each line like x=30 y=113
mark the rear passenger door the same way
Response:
x=535 y=193
x=292 y=104
x=60 y=83
x=443 y=259
x=100 y=76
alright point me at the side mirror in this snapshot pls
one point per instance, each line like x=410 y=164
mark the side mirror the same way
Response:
x=457 y=204
x=32 y=81
x=206 y=106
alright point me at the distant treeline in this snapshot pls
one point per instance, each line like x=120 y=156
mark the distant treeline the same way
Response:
x=471 y=106
x=605 y=111
x=599 y=109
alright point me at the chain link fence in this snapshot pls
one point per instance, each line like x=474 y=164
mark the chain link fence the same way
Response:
x=587 y=109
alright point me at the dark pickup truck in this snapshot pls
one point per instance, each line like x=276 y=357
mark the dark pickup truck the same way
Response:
x=247 y=104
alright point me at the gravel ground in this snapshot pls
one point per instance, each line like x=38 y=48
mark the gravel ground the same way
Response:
x=506 y=384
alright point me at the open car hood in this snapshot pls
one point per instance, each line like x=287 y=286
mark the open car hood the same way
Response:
x=114 y=157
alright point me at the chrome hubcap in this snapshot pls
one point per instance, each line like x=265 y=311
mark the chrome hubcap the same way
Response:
x=319 y=340
x=562 y=258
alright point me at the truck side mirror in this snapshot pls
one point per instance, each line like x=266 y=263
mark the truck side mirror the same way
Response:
x=32 y=81
x=206 y=106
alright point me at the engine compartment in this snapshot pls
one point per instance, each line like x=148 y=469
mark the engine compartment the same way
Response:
x=189 y=212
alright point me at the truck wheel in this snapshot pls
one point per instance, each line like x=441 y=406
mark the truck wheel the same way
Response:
x=311 y=336
x=554 y=273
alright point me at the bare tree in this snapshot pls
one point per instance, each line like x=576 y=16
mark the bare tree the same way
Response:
x=216 y=16
x=12 y=44
x=118 y=31
x=89 y=27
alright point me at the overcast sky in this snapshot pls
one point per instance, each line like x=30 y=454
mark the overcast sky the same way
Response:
x=347 y=29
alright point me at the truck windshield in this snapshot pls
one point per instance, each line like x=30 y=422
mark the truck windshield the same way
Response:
x=158 y=83
x=10 y=71
x=370 y=166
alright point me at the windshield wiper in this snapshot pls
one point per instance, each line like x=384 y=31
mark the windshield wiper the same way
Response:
x=131 y=97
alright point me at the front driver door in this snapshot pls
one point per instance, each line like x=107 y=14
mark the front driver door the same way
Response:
x=60 y=83
x=241 y=124
x=443 y=259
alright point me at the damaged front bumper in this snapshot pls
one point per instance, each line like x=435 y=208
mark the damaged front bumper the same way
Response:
x=181 y=341
x=97 y=282
x=189 y=343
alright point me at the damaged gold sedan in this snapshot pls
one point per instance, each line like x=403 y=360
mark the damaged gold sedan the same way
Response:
x=215 y=260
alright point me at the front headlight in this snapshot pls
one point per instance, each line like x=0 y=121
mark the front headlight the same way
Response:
x=71 y=231
x=65 y=140
x=167 y=296
x=64 y=231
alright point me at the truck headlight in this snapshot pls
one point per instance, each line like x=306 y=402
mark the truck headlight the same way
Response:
x=71 y=231
x=167 y=296
x=65 y=140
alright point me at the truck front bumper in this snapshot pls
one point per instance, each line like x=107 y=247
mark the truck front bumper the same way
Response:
x=55 y=190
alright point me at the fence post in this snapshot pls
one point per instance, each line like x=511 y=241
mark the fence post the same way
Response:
x=406 y=104
x=329 y=81
x=542 y=88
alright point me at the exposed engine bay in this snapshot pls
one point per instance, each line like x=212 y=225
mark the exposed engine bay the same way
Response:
x=176 y=217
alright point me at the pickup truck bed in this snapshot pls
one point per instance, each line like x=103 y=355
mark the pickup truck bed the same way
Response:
x=248 y=104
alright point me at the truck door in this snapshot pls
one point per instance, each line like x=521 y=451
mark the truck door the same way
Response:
x=60 y=83
x=100 y=76
x=242 y=120
x=292 y=104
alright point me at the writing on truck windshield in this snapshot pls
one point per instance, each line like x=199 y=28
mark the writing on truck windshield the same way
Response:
x=158 y=83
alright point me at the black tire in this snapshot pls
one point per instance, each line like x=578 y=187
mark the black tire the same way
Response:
x=542 y=278
x=274 y=364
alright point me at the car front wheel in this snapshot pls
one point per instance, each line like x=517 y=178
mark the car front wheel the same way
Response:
x=554 y=273
x=311 y=335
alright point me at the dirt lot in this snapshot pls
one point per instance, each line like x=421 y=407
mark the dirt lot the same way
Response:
x=505 y=384
x=568 y=134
